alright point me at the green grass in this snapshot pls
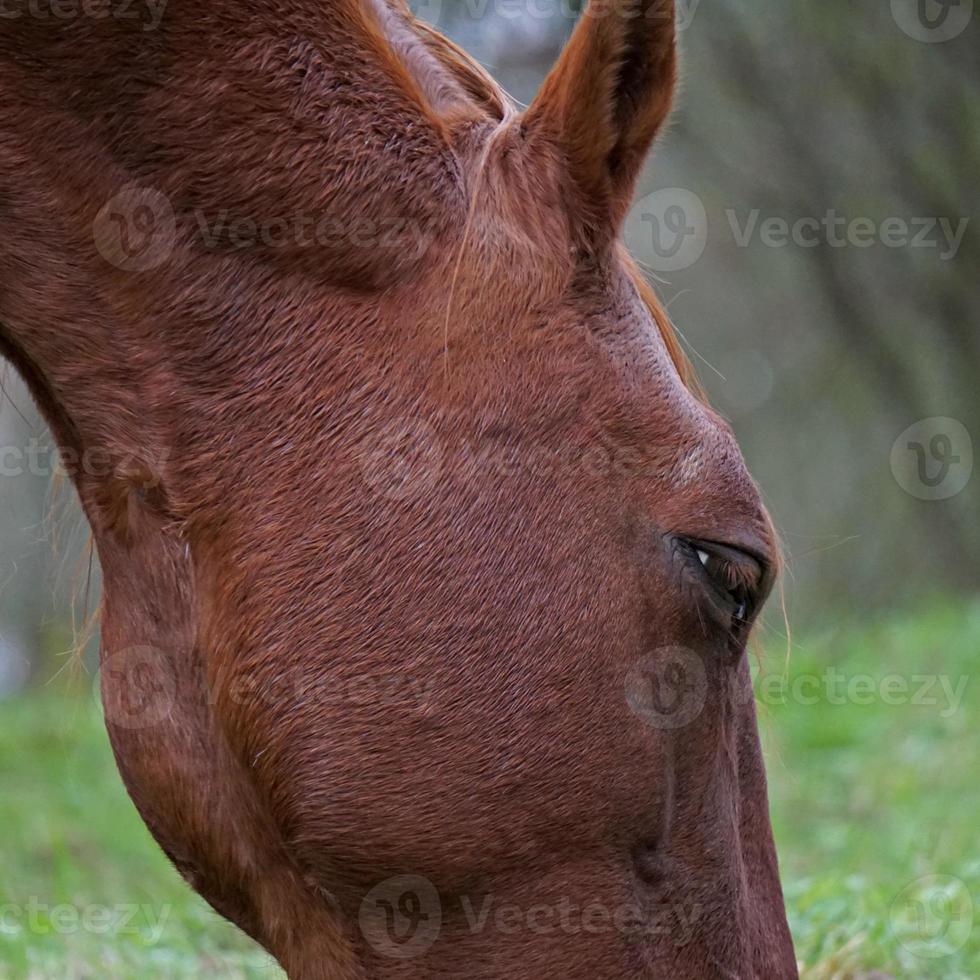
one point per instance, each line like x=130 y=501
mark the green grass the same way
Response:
x=70 y=837
x=871 y=801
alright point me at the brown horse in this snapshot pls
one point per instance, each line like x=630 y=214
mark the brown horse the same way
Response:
x=427 y=578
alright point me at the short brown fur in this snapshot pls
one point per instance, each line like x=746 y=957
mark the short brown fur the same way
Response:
x=320 y=672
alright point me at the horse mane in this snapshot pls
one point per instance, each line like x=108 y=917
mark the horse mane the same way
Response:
x=478 y=83
x=481 y=86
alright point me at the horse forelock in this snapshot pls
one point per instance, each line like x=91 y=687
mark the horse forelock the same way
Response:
x=482 y=87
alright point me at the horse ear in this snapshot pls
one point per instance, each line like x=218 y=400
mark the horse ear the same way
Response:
x=604 y=101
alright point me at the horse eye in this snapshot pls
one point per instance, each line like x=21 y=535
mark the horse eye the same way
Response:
x=734 y=575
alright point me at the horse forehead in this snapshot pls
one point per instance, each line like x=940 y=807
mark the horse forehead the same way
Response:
x=695 y=447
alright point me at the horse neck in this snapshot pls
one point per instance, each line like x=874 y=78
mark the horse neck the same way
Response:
x=121 y=353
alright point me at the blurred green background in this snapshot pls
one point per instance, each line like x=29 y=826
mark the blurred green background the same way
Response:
x=809 y=221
